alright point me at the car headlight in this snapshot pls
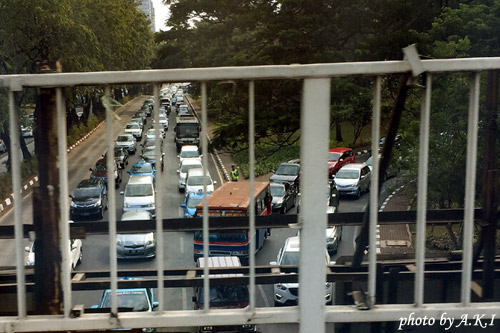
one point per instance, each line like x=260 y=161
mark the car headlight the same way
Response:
x=72 y=204
x=118 y=241
x=150 y=205
x=150 y=239
x=126 y=205
x=278 y=204
x=239 y=253
x=331 y=167
x=97 y=204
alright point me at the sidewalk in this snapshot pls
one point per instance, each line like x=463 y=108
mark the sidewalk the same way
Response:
x=396 y=239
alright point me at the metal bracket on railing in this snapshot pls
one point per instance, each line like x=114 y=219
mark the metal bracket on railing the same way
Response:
x=412 y=57
x=109 y=103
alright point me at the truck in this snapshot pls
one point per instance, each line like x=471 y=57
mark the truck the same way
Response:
x=223 y=296
x=187 y=132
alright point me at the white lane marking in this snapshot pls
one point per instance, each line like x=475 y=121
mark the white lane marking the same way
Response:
x=181 y=239
x=263 y=295
x=217 y=168
x=184 y=299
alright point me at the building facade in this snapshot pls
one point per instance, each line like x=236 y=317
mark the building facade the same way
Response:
x=147 y=7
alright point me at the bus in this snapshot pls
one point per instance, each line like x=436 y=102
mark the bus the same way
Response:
x=233 y=199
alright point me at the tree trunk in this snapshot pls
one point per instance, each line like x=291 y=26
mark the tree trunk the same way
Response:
x=338 y=132
x=24 y=149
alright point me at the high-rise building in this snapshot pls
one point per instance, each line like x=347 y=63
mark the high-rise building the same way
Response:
x=147 y=7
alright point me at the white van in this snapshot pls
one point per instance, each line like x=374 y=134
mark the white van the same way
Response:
x=140 y=194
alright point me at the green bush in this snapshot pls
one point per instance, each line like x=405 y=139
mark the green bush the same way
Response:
x=28 y=170
x=267 y=158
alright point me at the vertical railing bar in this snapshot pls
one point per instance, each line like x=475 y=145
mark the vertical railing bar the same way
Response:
x=470 y=189
x=63 y=199
x=251 y=169
x=18 y=208
x=422 y=191
x=204 y=149
x=159 y=198
x=111 y=205
x=315 y=135
x=372 y=254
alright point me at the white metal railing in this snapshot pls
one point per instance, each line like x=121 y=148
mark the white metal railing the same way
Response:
x=311 y=312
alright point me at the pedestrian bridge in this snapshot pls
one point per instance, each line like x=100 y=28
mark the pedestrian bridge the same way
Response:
x=311 y=313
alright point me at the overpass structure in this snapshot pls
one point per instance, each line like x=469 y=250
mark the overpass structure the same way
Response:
x=311 y=313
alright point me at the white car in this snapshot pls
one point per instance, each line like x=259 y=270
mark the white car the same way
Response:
x=287 y=293
x=134 y=129
x=139 y=194
x=183 y=170
x=163 y=120
x=194 y=181
x=75 y=258
x=189 y=152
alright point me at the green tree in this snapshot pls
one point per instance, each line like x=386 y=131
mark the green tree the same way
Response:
x=84 y=35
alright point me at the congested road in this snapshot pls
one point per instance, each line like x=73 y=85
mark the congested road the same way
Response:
x=178 y=246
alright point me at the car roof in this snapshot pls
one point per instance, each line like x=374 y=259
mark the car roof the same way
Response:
x=292 y=244
x=136 y=215
x=140 y=180
x=189 y=147
x=197 y=172
x=191 y=161
x=127 y=135
x=89 y=183
x=354 y=166
x=339 y=150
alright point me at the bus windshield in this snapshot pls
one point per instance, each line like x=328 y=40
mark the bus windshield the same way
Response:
x=226 y=294
x=229 y=236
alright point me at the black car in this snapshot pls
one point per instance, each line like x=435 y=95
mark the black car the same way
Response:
x=89 y=199
x=287 y=173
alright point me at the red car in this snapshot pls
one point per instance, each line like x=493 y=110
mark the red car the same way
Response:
x=337 y=157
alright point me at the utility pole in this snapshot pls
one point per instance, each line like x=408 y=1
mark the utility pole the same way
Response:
x=46 y=209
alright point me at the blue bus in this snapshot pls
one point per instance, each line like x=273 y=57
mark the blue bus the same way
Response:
x=233 y=199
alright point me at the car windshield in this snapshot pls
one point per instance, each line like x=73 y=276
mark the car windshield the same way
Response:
x=226 y=294
x=137 y=300
x=189 y=154
x=287 y=170
x=277 y=191
x=149 y=153
x=333 y=157
x=369 y=161
x=198 y=180
x=119 y=152
x=123 y=138
x=224 y=236
x=290 y=258
x=193 y=202
x=151 y=132
x=162 y=118
x=132 y=126
x=347 y=174
x=86 y=192
x=138 y=190
x=186 y=167
x=99 y=167
x=141 y=168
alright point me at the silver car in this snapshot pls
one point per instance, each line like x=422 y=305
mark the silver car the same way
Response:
x=353 y=179
x=131 y=246
x=126 y=141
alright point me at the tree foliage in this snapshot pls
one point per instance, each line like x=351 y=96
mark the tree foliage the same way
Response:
x=84 y=35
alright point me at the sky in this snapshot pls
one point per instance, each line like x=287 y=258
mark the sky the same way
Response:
x=161 y=13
